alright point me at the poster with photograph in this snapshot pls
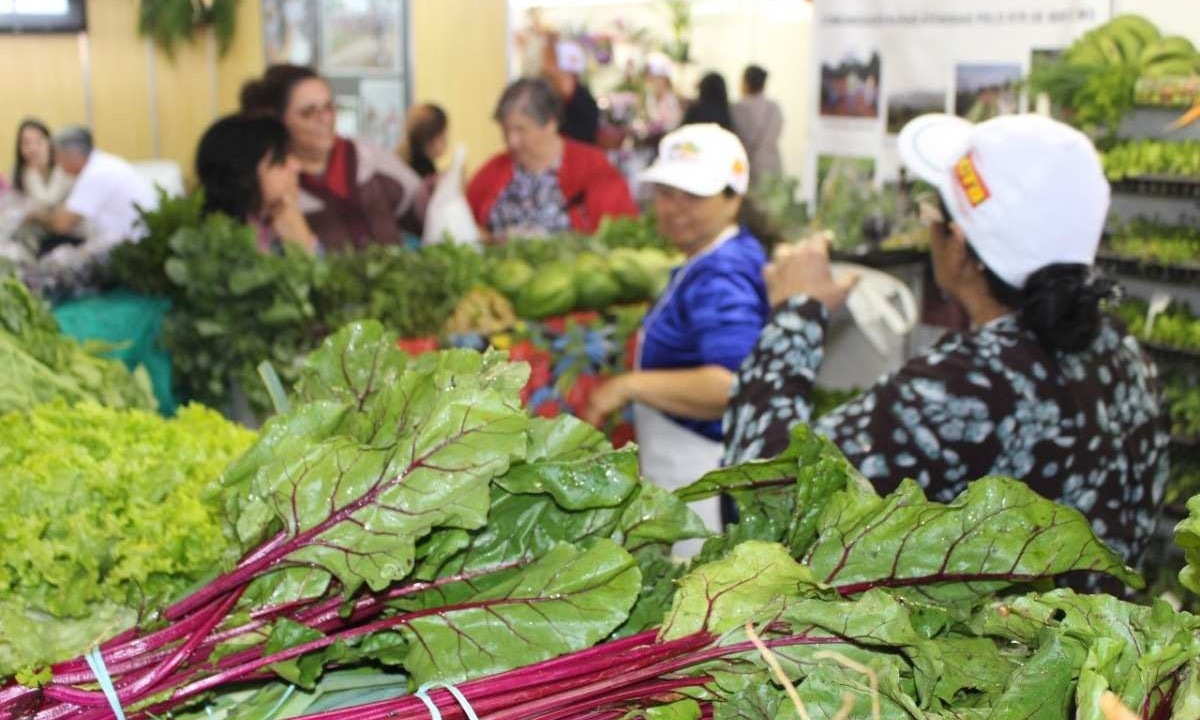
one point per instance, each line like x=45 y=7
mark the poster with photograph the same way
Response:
x=347 y=114
x=850 y=85
x=290 y=31
x=362 y=37
x=381 y=111
x=882 y=63
x=982 y=92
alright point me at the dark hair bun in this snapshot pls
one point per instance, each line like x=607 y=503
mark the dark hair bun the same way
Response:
x=1061 y=305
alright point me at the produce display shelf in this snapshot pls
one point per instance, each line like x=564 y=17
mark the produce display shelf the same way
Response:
x=1170 y=186
x=1171 y=353
x=1149 y=269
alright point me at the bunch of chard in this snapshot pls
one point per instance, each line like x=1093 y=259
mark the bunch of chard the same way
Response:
x=406 y=513
x=891 y=607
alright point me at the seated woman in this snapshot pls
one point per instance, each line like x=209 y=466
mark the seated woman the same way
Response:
x=246 y=172
x=1044 y=387
x=36 y=176
x=352 y=193
x=543 y=183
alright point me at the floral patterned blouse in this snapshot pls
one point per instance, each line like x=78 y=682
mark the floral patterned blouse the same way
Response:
x=1084 y=429
x=531 y=204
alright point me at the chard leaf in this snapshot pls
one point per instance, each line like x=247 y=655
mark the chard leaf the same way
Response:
x=1187 y=695
x=573 y=463
x=419 y=452
x=754 y=582
x=566 y=600
x=686 y=709
x=656 y=515
x=781 y=499
x=288 y=634
x=973 y=670
x=826 y=686
x=996 y=534
x=759 y=701
x=1043 y=686
x=1131 y=649
x=1187 y=536
x=660 y=574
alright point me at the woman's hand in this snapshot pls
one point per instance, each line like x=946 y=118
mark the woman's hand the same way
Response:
x=804 y=269
x=288 y=224
x=607 y=399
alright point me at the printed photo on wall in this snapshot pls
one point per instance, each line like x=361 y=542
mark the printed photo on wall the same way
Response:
x=905 y=106
x=982 y=92
x=290 y=31
x=362 y=37
x=381 y=111
x=347 y=114
x=850 y=85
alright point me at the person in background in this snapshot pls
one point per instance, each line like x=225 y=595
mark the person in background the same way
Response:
x=711 y=104
x=35 y=174
x=708 y=318
x=758 y=122
x=246 y=172
x=352 y=192
x=664 y=113
x=424 y=138
x=543 y=183
x=563 y=68
x=102 y=208
x=1044 y=387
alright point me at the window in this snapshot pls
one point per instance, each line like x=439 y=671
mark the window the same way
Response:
x=63 y=16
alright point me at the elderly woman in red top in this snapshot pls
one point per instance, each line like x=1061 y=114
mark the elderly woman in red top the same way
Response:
x=544 y=183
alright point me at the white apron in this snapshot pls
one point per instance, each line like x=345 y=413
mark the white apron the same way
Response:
x=670 y=455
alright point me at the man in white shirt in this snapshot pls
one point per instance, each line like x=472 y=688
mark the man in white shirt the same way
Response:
x=102 y=207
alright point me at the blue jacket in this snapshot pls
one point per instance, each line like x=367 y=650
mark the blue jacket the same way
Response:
x=710 y=314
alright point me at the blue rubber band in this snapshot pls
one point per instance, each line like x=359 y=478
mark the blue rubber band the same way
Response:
x=95 y=661
x=458 y=697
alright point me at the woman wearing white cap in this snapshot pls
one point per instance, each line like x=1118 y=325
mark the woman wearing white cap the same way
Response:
x=1044 y=387
x=707 y=319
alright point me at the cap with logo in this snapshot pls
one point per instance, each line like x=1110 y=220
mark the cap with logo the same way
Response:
x=570 y=57
x=1027 y=191
x=701 y=159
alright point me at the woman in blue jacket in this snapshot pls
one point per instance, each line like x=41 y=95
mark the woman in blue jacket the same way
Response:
x=707 y=320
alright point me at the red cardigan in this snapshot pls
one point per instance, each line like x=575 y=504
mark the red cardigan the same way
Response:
x=591 y=186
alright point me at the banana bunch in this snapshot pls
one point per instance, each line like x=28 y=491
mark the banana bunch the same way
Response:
x=1133 y=42
x=482 y=310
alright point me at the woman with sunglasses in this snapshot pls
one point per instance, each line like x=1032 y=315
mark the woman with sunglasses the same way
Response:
x=352 y=193
x=1044 y=387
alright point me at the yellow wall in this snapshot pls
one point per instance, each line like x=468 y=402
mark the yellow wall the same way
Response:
x=459 y=62
x=145 y=105
x=43 y=76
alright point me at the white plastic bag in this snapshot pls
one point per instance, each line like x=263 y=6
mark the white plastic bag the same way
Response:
x=448 y=215
x=881 y=305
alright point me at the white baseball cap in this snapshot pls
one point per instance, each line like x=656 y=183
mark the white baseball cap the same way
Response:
x=570 y=56
x=701 y=159
x=1027 y=191
x=659 y=65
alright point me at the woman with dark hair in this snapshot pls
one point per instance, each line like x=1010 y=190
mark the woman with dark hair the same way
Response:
x=711 y=104
x=424 y=138
x=35 y=174
x=1044 y=387
x=706 y=321
x=246 y=172
x=352 y=192
x=543 y=183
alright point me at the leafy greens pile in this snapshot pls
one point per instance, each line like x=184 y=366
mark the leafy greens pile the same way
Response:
x=894 y=606
x=106 y=511
x=40 y=364
x=404 y=513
